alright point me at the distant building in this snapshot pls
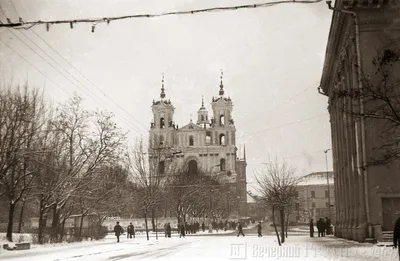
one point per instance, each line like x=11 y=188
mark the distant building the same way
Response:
x=208 y=144
x=255 y=209
x=313 y=198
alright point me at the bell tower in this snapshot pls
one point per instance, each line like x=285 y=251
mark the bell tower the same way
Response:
x=162 y=124
x=202 y=114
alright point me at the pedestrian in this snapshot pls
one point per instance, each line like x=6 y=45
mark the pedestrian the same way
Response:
x=312 y=228
x=129 y=231
x=182 y=230
x=118 y=231
x=169 y=230
x=240 y=229
x=319 y=227
x=203 y=226
x=327 y=226
x=259 y=228
x=396 y=235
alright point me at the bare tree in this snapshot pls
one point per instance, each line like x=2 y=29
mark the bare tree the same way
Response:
x=21 y=118
x=277 y=185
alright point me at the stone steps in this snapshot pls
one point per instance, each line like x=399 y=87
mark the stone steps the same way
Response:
x=387 y=236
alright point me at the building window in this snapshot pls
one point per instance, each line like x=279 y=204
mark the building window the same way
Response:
x=222 y=166
x=208 y=137
x=191 y=141
x=313 y=194
x=222 y=120
x=202 y=117
x=161 y=140
x=326 y=194
x=313 y=205
x=222 y=139
x=161 y=167
x=162 y=123
x=297 y=206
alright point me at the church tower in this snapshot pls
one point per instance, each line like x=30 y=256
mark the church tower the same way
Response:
x=162 y=126
x=222 y=122
x=202 y=115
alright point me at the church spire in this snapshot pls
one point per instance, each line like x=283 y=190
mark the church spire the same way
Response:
x=162 y=95
x=244 y=152
x=202 y=103
x=221 y=85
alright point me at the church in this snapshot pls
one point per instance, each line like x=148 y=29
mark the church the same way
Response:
x=208 y=144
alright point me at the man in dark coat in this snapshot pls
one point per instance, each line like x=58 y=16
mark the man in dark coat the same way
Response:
x=203 y=226
x=320 y=227
x=118 y=231
x=396 y=235
x=312 y=228
x=131 y=231
x=328 y=226
x=259 y=228
x=240 y=229
x=168 y=229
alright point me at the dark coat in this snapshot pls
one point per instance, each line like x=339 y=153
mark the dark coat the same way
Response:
x=259 y=227
x=311 y=226
x=118 y=230
x=396 y=233
x=240 y=227
x=131 y=229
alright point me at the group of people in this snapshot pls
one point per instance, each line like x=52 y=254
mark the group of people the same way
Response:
x=324 y=227
x=118 y=230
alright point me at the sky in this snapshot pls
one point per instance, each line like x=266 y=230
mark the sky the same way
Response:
x=272 y=60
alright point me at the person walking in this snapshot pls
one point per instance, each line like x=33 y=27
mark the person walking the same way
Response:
x=259 y=228
x=240 y=229
x=396 y=236
x=118 y=231
x=169 y=230
x=312 y=228
x=131 y=231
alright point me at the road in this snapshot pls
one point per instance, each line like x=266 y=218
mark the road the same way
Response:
x=200 y=247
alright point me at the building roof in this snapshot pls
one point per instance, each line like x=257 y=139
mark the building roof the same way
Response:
x=316 y=178
x=251 y=198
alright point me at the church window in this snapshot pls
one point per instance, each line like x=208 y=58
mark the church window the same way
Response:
x=162 y=123
x=161 y=167
x=161 y=140
x=191 y=141
x=222 y=139
x=208 y=138
x=222 y=166
x=202 y=117
x=222 y=120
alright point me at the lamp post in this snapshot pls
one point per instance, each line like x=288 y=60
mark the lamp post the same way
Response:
x=327 y=181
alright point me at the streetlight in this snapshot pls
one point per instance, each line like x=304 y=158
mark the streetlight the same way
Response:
x=327 y=181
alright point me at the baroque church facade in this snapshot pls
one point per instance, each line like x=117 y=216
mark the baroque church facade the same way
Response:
x=207 y=145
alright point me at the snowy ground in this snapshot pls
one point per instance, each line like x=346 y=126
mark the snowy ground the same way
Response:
x=206 y=247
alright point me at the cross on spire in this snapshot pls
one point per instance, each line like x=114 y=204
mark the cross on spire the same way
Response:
x=221 y=85
x=162 y=95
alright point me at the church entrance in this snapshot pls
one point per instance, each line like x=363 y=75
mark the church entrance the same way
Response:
x=192 y=168
x=390 y=212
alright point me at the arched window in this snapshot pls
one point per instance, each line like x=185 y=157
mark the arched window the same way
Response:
x=162 y=123
x=222 y=139
x=192 y=167
x=222 y=166
x=161 y=167
x=202 y=117
x=222 y=120
x=208 y=138
x=191 y=141
x=161 y=140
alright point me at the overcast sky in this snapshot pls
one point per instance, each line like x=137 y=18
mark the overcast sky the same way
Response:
x=268 y=56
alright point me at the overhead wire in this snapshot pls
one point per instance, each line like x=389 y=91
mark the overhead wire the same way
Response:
x=94 y=21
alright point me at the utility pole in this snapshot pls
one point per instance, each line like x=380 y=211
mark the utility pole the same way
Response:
x=327 y=181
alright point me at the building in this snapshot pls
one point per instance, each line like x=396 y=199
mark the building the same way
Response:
x=314 y=198
x=367 y=195
x=208 y=144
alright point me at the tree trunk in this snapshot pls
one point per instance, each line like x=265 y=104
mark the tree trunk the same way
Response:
x=11 y=211
x=80 y=228
x=41 y=214
x=153 y=224
x=147 y=228
x=282 y=221
x=287 y=224
x=273 y=222
x=62 y=229
x=55 y=224
x=21 y=215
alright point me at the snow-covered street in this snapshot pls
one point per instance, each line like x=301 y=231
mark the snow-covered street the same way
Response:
x=208 y=247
